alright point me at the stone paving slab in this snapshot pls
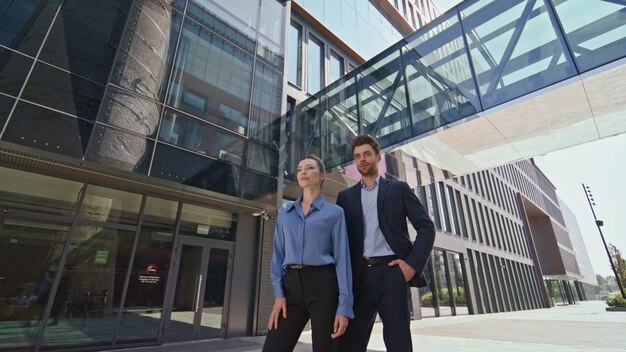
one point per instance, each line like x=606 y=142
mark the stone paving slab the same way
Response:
x=586 y=326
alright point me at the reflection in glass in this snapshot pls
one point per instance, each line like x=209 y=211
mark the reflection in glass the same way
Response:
x=200 y=10
x=339 y=122
x=141 y=70
x=30 y=252
x=110 y=205
x=131 y=112
x=210 y=71
x=336 y=66
x=265 y=113
x=142 y=309
x=240 y=14
x=315 y=69
x=24 y=24
x=63 y=91
x=261 y=188
x=14 y=68
x=262 y=159
x=124 y=151
x=37 y=193
x=190 y=133
x=187 y=168
x=87 y=298
x=433 y=205
x=146 y=52
x=294 y=61
x=215 y=285
x=206 y=222
x=369 y=31
x=310 y=133
x=271 y=28
x=85 y=36
x=44 y=129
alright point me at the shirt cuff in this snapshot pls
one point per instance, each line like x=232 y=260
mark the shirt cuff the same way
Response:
x=345 y=311
x=278 y=291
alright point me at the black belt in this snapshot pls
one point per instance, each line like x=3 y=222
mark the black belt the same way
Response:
x=369 y=261
x=303 y=266
x=297 y=266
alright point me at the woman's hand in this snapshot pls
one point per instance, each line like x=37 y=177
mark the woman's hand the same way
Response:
x=280 y=304
x=341 y=323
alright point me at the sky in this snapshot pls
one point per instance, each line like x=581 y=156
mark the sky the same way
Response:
x=601 y=165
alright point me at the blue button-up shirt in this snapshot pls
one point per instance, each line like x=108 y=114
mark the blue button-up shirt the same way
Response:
x=319 y=238
x=374 y=242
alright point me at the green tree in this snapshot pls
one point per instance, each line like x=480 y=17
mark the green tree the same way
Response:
x=619 y=262
x=603 y=283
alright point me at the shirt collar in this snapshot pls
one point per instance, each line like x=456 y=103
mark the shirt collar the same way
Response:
x=376 y=181
x=317 y=203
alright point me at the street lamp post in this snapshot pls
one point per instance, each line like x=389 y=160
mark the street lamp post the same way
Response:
x=599 y=224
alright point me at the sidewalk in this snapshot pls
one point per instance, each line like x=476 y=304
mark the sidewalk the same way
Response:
x=582 y=327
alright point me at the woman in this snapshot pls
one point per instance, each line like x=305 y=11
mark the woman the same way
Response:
x=310 y=269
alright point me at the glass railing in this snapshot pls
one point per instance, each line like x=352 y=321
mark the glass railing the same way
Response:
x=476 y=56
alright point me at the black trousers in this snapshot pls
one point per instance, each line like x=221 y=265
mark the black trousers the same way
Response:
x=382 y=289
x=311 y=293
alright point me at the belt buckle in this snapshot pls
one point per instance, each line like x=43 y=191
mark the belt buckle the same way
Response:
x=297 y=266
x=365 y=259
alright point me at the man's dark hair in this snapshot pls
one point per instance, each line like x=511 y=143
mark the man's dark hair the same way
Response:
x=363 y=139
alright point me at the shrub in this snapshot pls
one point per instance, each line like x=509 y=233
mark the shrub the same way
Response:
x=427 y=299
x=615 y=300
x=444 y=299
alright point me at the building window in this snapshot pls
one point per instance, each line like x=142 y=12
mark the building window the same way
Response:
x=336 y=66
x=294 y=67
x=315 y=77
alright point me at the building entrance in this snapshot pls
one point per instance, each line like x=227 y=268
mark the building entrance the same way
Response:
x=198 y=297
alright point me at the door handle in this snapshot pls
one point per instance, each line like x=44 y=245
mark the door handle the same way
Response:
x=198 y=293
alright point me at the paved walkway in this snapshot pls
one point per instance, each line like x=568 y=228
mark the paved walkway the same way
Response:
x=582 y=327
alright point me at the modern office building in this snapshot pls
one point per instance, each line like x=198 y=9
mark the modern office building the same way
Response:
x=578 y=244
x=145 y=146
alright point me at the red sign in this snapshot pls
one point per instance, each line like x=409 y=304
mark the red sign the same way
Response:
x=151 y=269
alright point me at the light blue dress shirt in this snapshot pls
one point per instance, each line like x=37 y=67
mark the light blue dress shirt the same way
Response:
x=319 y=238
x=374 y=242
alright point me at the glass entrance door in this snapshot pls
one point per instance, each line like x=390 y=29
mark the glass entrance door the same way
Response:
x=199 y=298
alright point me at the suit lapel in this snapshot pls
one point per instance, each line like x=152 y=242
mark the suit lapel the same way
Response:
x=358 y=212
x=383 y=185
x=356 y=194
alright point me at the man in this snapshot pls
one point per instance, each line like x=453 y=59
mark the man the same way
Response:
x=383 y=257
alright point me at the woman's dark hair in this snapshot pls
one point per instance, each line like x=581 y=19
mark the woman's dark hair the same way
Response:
x=363 y=139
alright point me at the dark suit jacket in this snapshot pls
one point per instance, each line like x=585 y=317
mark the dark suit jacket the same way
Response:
x=396 y=203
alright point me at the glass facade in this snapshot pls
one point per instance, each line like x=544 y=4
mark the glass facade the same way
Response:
x=135 y=85
x=85 y=265
x=187 y=91
x=479 y=55
x=357 y=22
